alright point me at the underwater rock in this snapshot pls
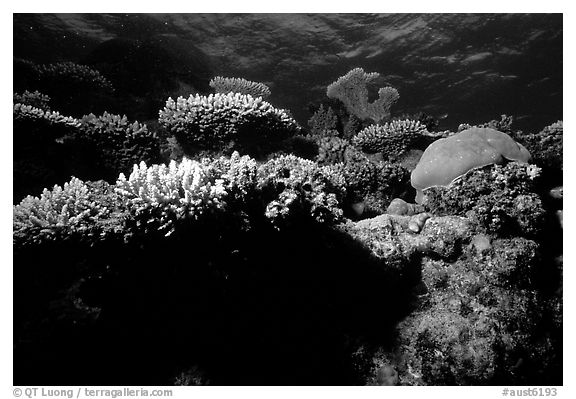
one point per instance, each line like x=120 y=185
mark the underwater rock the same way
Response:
x=447 y=159
x=500 y=199
x=398 y=240
x=387 y=376
x=481 y=243
x=417 y=222
x=478 y=320
x=546 y=146
x=400 y=207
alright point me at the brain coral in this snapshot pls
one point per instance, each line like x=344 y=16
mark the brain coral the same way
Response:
x=451 y=157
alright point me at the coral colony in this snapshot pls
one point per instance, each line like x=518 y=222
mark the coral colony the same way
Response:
x=239 y=247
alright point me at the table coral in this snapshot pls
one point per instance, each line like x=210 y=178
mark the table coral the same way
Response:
x=234 y=121
x=239 y=85
x=391 y=139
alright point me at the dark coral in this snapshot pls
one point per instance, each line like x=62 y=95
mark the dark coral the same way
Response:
x=227 y=122
x=113 y=144
x=392 y=139
x=501 y=199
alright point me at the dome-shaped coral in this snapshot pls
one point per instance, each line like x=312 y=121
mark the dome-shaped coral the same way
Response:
x=451 y=157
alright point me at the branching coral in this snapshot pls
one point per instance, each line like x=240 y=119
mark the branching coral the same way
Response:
x=159 y=195
x=73 y=74
x=352 y=90
x=34 y=99
x=114 y=143
x=29 y=114
x=295 y=188
x=332 y=150
x=391 y=139
x=239 y=85
x=219 y=120
x=323 y=122
x=73 y=89
x=56 y=213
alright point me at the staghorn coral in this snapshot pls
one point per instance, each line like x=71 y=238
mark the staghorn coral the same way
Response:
x=236 y=121
x=501 y=199
x=34 y=99
x=352 y=90
x=446 y=159
x=114 y=144
x=392 y=139
x=239 y=85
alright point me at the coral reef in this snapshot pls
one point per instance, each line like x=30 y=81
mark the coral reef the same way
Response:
x=352 y=90
x=446 y=159
x=230 y=121
x=281 y=243
x=239 y=85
